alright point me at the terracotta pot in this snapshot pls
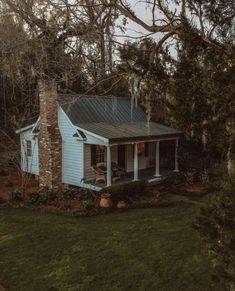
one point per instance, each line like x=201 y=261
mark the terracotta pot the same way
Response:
x=121 y=204
x=105 y=201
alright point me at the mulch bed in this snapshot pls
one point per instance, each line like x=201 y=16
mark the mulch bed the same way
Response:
x=2 y=288
x=158 y=197
x=195 y=188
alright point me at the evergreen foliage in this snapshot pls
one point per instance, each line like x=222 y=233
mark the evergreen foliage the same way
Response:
x=216 y=224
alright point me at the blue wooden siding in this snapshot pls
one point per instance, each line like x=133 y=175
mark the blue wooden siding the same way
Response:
x=29 y=164
x=76 y=153
x=72 y=152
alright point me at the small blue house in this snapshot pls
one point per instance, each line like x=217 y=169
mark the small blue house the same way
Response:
x=99 y=132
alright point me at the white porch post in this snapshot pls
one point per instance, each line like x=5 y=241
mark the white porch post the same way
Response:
x=157 y=165
x=176 y=156
x=108 y=166
x=136 y=162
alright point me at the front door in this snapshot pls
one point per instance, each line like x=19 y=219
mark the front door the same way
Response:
x=122 y=156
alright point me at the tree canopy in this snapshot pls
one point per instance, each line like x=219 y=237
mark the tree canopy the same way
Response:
x=182 y=68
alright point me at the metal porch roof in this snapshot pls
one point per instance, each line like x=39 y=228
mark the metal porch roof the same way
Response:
x=124 y=132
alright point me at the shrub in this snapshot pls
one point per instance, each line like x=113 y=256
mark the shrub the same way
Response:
x=86 y=196
x=216 y=224
x=17 y=196
x=190 y=176
x=87 y=204
x=33 y=198
x=78 y=193
x=42 y=198
x=126 y=192
x=51 y=196
x=173 y=179
x=69 y=194
x=2 y=201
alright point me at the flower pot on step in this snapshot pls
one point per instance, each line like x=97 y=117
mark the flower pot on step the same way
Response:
x=105 y=200
x=121 y=205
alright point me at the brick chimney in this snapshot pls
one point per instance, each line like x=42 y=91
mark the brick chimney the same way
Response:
x=50 y=144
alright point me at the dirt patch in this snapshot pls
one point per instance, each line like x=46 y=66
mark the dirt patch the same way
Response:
x=185 y=194
x=195 y=188
x=2 y=288
x=173 y=198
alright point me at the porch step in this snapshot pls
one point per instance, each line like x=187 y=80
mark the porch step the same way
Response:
x=154 y=179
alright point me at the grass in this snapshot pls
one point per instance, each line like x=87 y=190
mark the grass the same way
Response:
x=143 y=249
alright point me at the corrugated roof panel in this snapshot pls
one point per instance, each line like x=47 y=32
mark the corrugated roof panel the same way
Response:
x=114 y=119
x=84 y=109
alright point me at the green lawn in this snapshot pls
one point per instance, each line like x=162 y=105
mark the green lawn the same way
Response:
x=145 y=249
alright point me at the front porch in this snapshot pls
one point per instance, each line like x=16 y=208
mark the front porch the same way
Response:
x=139 y=161
x=144 y=174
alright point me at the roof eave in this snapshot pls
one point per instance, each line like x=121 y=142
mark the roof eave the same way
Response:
x=25 y=128
x=145 y=138
x=96 y=135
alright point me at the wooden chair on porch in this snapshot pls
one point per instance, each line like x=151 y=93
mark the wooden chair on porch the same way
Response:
x=100 y=174
x=117 y=171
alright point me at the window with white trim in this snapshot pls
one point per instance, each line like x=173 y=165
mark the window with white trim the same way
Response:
x=28 y=148
x=100 y=152
x=97 y=154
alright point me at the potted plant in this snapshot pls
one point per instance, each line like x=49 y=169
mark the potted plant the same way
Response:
x=105 y=200
x=121 y=204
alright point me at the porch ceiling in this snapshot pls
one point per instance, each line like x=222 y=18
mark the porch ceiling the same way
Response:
x=130 y=131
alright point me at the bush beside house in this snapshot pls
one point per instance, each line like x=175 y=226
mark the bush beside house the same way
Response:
x=216 y=224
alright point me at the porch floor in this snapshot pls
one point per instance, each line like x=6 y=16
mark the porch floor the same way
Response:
x=144 y=174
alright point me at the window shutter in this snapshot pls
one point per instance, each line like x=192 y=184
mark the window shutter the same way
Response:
x=146 y=149
x=93 y=154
